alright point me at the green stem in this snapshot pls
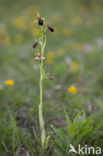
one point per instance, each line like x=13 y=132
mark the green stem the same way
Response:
x=41 y=120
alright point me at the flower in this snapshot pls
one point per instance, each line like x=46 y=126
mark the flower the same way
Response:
x=35 y=44
x=34 y=31
x=40 y=22
x=48 y=76
x=39 y=58
x=51 y=29
x=19 y=23
x=74 y=65
x=72 y=89
x=9 y=82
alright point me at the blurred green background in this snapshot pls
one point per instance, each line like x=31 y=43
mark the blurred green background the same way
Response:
x=74 y=56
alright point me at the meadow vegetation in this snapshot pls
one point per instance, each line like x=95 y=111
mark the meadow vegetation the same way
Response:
x=73 y=100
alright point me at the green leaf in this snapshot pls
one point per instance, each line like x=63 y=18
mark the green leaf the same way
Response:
x=13 y=124
x=99 y=125
x=35 y=135
x=60 y=133
x=82 y=132
x=76 y=118
x=84 y=116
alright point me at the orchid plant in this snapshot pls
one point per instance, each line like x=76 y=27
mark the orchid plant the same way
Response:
x=40 y=57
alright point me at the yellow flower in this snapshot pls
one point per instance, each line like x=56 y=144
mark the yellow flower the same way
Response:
x=9 y=82
x=74 y=65
x=19 y=23
x=50 y=57
x=72 y=89
x=34 y=31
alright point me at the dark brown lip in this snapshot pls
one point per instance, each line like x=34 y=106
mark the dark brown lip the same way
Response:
x=40 y=21
x=51 y=29
x=35 y=44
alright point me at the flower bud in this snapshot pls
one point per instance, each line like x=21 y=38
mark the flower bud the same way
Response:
x=51 y=29
x=35 y=44
x=48 y=76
